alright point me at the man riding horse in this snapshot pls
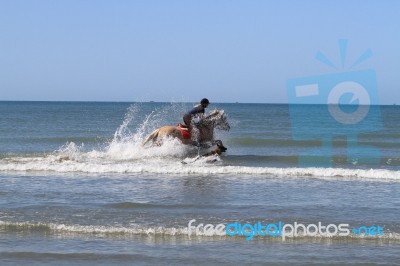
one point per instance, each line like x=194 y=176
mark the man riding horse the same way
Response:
x=203 y=130
x=197 y=111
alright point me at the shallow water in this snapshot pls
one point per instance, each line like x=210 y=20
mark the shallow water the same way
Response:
x=78 y=188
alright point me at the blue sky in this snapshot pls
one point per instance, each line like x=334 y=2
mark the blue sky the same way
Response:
x=228 y=51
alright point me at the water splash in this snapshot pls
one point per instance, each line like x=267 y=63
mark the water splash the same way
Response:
x=127 y=141
x=69 y=151
x=124 y=153
x=123 y=130
x=126 y=144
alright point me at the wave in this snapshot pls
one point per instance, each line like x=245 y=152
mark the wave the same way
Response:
x=169 y=159
x=151 y=231
x=103 y=163
x=254 y=142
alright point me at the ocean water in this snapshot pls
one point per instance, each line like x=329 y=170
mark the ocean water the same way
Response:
x=78 y=188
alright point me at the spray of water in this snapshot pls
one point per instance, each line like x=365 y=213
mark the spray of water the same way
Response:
x=126 y=144
x=124 y=152
x=128 y=138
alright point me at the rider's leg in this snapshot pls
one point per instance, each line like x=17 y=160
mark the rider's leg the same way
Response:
x=186 y=119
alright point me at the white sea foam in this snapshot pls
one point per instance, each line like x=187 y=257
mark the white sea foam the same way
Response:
x=136 y=229
x=167 y=160
x=132 y=158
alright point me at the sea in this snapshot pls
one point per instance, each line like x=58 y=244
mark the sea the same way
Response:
x=77 y=187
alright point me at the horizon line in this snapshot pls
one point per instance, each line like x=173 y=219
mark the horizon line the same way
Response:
x=88 y=101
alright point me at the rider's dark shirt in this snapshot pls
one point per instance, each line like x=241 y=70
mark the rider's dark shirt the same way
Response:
x=197 y=110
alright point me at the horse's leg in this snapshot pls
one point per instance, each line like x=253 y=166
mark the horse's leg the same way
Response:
x=152 y=137
x=218 y=150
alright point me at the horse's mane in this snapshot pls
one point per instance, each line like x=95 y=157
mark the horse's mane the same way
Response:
x=215 y=114
x=215 y=118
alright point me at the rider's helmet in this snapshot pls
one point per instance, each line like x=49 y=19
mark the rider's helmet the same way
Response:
x=205 y=101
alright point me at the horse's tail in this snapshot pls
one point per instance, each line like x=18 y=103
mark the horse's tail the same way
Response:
x=152 y=137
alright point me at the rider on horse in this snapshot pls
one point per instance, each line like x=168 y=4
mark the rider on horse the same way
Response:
x=197 y=111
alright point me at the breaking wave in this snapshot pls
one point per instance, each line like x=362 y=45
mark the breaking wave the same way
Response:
x=153 y=231
x=94 y=163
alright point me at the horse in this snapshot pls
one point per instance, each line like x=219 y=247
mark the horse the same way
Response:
x=203 y=132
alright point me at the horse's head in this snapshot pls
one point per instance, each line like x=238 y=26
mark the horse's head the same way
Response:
x=217 y=119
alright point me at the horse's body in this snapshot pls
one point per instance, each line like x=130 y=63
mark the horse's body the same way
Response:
x=201 y=134
x=167 y=131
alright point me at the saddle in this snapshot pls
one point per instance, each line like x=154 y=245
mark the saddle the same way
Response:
x=184 y=131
